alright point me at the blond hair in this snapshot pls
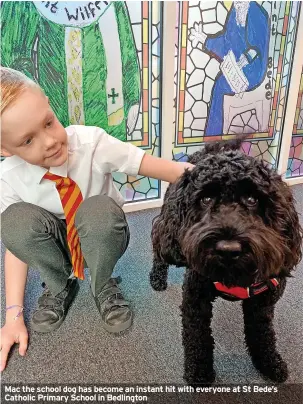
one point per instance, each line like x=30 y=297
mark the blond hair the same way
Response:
x=13 y=83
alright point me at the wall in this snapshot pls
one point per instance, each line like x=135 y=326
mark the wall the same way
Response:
x=225 y=68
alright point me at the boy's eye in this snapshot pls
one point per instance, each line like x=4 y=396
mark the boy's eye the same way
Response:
x=49 y=123
x=28 y=141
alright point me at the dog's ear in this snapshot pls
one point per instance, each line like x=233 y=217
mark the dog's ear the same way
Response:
x=167 y=225
x=284 y=219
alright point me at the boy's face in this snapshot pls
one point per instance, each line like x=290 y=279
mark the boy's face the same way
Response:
x=31 y=131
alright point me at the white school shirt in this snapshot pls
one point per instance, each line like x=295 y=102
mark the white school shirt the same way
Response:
x=93 y=156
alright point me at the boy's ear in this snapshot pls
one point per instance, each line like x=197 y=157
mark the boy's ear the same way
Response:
x=5 y=153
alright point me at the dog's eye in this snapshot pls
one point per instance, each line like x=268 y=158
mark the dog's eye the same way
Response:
x=206 y=200
x=250 y=201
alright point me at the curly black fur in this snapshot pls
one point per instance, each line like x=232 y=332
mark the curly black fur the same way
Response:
x=228 y=197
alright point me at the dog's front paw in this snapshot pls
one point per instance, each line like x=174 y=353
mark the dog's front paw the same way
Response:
x=204 y=378
x=275 y=369
x=157 y=282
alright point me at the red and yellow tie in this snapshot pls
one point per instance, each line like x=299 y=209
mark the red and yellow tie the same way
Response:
x=71 y=198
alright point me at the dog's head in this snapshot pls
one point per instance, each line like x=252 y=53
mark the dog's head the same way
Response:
x=231 y=218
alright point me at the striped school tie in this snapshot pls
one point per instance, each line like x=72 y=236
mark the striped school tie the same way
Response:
x=71 y=198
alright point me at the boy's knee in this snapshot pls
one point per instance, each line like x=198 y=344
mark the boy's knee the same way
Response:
x=17 y=222
x=12 y=216
x=98 y=212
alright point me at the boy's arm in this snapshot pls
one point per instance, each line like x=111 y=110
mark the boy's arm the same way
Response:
x=14 y=330
x=15 y=281
x=161 y=169
x=112 y=155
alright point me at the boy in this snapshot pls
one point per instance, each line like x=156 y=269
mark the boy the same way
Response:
x=61 y=210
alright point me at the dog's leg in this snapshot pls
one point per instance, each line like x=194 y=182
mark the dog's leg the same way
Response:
x=261 y=340
x=158 y=275
x=198 y=342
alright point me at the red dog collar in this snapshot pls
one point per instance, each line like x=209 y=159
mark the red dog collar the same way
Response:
x=245 y=293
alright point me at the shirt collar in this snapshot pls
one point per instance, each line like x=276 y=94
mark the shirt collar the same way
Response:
x=37 y=172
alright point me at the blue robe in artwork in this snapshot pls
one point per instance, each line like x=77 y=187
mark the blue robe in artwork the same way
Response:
x=254 y=36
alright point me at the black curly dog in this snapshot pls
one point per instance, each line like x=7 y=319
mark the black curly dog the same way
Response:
x=232 y=223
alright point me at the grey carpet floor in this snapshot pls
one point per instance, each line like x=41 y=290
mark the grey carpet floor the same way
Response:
x=151 y=352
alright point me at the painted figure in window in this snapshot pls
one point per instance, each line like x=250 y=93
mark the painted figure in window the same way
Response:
x=242 y=50
x=83 y=54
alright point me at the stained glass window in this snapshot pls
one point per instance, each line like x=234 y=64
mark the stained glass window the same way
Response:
x=232 y=66
x=99 y=63
x=147 y=30
x=295 y=162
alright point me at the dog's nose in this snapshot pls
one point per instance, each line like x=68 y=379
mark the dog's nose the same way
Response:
x=229 y=246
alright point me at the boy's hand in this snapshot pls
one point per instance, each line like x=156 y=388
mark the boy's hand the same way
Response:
x=13 y=333
x=161 y=169
x=184 y=166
